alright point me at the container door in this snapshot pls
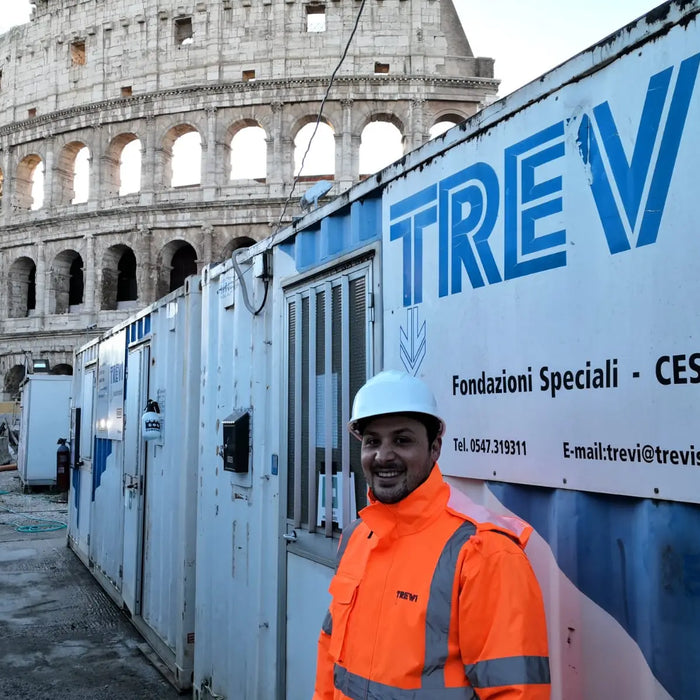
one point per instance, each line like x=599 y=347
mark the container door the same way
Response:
x=23 y=431
x=329 y=335
x=82 y=438
x=134 y=476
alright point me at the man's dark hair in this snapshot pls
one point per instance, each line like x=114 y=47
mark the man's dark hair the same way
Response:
x=431 y=423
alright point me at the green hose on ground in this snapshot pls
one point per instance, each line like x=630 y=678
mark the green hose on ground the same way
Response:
x=42 y=524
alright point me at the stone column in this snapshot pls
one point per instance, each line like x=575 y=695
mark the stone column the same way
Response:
x=349 y=161
x=7 y=186
x=275 y=156
x=43 y=280
x=210 y=166
x=92 y=299
x=5 y=291
x=417 y=133
x=52 y=182
x=102 y=167
x=146 y=271
x=207 y=247
x=149 y=169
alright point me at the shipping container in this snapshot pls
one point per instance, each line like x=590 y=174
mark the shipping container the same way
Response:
x=133 y=505
x=44 y=418
x=536 y=266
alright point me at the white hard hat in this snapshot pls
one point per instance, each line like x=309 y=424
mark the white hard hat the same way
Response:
x=392 y=391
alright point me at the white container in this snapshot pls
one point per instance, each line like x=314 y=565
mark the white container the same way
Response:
x=45 y=417
x=237 y=514
x=618 y=565
x=133 y=501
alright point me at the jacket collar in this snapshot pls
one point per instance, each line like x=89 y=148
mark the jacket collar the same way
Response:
x=413 y=513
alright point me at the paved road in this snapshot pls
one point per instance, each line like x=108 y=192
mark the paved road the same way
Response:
x=61 y=636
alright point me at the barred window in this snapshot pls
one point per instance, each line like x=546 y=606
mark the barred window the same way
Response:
x=329 y=341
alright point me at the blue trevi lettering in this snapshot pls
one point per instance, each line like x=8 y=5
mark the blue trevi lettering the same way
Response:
x=629 y=195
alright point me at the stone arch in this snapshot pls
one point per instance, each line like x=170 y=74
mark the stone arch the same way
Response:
x=171 y=156
x=118 y=277
x=444 y=121
x=62 y=368
x=372 y=112
x=382 y=141
x=28 y=169
x=21 y=287
x=66 y=173
x=176 y=261
x=12 y=380
x=235 y=244
x=320 y=161
x=246 y=150
x=121 y=175
x=66 y=284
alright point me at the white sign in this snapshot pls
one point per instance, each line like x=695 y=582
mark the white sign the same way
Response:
x=109 y=406
x=542 y=277
x=227 y=289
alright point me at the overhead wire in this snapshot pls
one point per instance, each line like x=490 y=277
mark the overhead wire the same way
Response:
x=320 y=113
x=266 y=280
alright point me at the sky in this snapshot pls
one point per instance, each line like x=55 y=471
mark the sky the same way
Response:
x=528 y=37
x=525 y=37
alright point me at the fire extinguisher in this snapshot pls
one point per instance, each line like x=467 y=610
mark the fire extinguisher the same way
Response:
x=62 y=465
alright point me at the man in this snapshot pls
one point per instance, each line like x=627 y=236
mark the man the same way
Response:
x=433 y=597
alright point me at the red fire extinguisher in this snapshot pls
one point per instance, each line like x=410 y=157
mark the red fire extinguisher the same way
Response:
x=62 y=465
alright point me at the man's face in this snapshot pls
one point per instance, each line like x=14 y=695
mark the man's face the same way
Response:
x=396 y=457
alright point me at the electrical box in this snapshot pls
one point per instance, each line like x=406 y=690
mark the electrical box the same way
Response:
x=261 y=265
x=236 y=447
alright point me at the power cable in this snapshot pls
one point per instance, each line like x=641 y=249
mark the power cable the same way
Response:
x=244 y=290
x=266 y=277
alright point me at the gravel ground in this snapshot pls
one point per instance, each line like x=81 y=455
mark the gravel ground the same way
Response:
x=61 y=636
x=29 y=510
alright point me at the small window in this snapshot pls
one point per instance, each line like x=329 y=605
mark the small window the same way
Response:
x=31 y=112
x=315 y=18
x=380 y=68
x=248 y=75
x=77 y=53
x=126 y=91
x=183 y=31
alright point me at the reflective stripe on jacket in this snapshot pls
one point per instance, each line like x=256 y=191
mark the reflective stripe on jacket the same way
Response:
x=433 y=598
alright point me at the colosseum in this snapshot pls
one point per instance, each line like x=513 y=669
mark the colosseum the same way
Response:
x=88 y=234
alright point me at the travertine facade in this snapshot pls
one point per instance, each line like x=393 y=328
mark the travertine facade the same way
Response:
x=96 y=74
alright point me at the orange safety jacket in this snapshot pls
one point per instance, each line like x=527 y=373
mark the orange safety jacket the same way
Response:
x=433 y=598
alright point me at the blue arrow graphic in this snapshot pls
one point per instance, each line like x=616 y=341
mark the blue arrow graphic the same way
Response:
x=413 y=341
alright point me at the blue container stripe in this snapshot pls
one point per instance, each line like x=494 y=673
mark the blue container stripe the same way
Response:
x=337 y=234
x=637 y=559
x=103 y=448
x=139 y=329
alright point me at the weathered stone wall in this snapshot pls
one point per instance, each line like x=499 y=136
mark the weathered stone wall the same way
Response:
x=95 y=74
